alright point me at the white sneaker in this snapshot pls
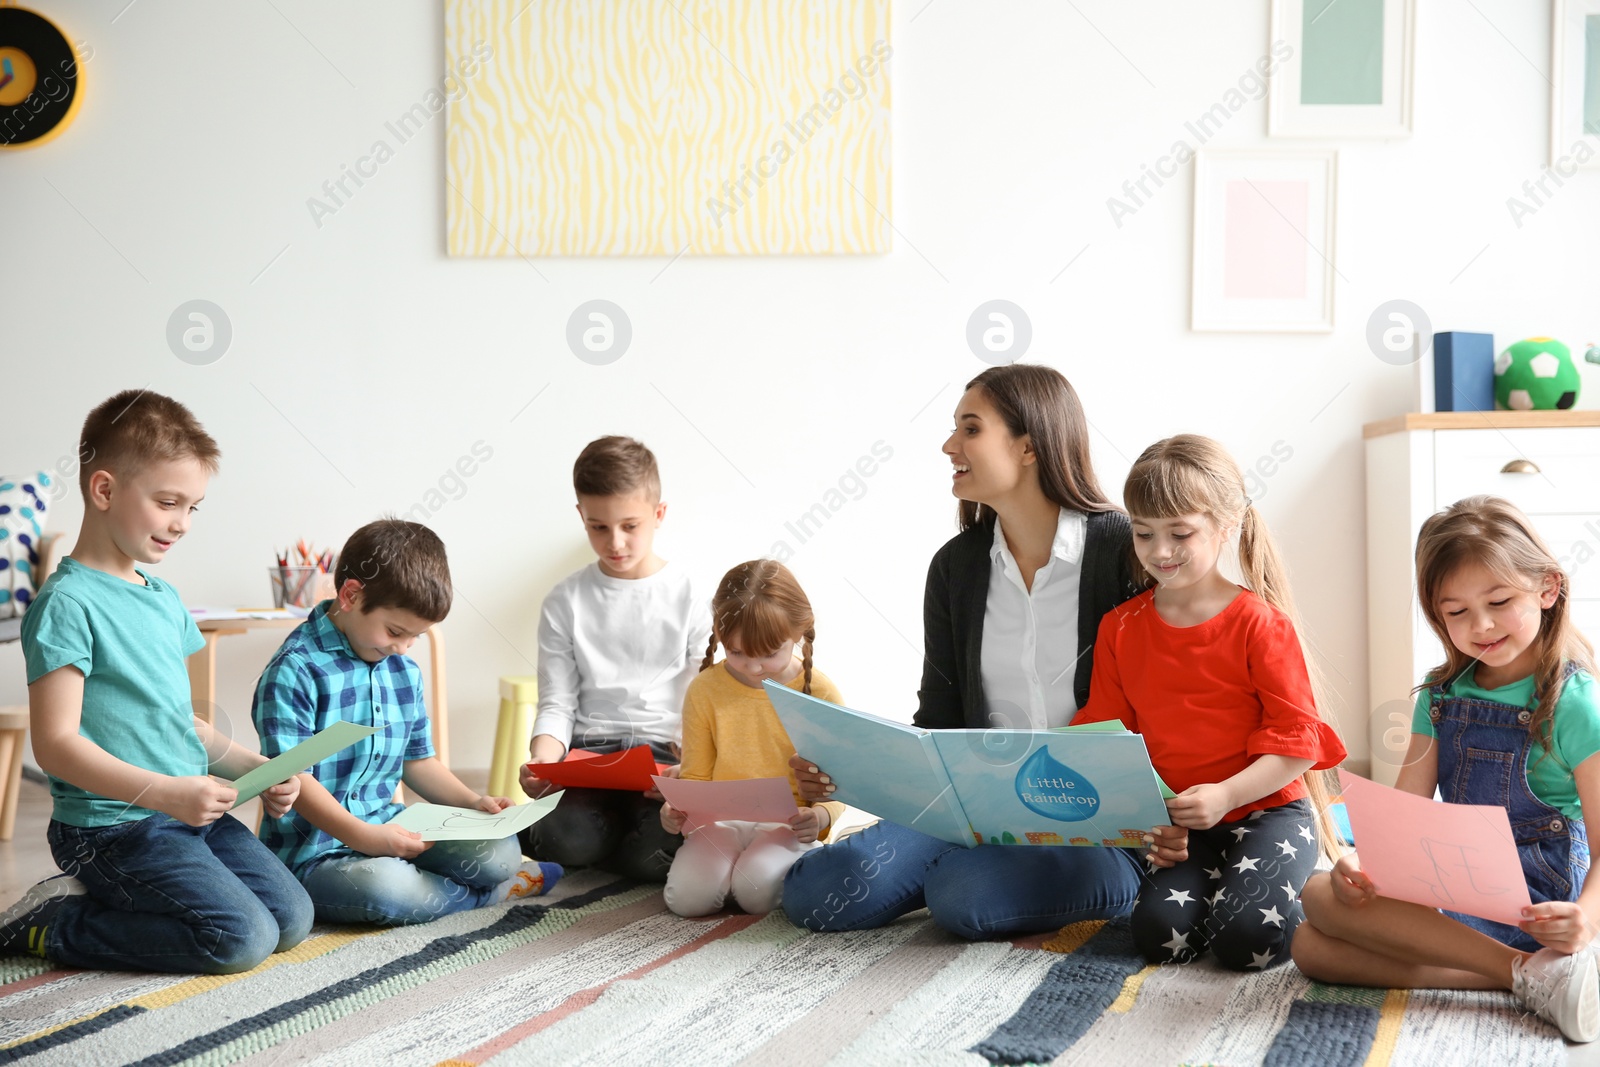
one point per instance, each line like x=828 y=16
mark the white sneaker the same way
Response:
x=1561 y=989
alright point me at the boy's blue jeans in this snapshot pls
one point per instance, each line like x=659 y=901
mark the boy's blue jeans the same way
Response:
x=166 y=896
x=450 y=876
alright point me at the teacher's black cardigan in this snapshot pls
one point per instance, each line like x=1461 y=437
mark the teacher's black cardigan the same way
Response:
x=953 y=609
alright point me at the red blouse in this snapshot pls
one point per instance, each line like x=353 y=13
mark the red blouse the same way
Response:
x=1210 y=698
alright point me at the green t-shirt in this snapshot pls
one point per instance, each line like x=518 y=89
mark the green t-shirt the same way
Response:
x=131 y=642
x=1575 y=733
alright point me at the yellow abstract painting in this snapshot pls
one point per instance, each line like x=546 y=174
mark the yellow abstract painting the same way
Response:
x=667 y=127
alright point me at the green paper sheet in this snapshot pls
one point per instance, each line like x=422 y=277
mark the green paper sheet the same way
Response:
x=307 y=754
x=441 y=822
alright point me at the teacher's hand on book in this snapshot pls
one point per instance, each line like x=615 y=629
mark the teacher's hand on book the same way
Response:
x=1169 y=845
x=814 y=784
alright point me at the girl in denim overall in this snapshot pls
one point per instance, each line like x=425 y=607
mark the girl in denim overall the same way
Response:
x=1511 y=717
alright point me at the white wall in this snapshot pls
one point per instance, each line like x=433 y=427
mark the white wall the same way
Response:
x=364 y=362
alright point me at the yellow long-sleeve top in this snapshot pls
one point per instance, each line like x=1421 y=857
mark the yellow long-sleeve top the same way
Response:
x=731 y=732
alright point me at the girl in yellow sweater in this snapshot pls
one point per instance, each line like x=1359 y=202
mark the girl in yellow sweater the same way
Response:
x=764 y=621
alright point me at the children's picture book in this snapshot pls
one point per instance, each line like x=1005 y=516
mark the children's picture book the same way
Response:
x=1459 y=857
x=631 y=769
x=302 y=757
x=745 y=799
x=442 y=822
x=982 y=787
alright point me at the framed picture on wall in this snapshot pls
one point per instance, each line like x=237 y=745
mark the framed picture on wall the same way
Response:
x=1264 y=241
x=1348 y=71
x=1574 y=85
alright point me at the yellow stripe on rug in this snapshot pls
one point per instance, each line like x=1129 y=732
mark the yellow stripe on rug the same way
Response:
x=1130 y=990
x=1071 y=938
x=182 y=990
x=1390 y=1017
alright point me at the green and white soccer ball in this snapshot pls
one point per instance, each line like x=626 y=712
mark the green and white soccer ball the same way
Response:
x=1536 y=375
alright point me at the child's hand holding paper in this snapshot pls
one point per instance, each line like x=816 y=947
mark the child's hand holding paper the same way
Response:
x=1353 y=888
x=666 y=772
x=277 y=800
x=390 y=839
x=808 y=824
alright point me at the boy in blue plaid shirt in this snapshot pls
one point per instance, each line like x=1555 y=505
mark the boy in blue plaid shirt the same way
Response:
x=347 y=662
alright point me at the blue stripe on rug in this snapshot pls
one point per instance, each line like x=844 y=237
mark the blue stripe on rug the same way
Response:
x=68 y=1034
x=1073 y=994
x=518 y=918
x=1327 y=1033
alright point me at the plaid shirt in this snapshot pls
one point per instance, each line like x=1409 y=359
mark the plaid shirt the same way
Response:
x=314 y=681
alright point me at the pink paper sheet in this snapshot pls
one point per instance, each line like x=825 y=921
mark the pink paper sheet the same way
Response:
x=750 y=799
x=1460 y=857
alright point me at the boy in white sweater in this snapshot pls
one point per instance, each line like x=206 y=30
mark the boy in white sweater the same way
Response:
x=619 y=641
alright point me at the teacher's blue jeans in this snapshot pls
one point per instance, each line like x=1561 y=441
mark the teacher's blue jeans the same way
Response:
x=450 y=876
x=873 y=877
x=166 y=896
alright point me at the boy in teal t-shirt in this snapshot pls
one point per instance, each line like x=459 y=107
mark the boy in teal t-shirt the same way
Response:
x=158 y=875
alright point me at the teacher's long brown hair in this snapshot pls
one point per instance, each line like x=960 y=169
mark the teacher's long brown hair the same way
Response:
x=1040 y=403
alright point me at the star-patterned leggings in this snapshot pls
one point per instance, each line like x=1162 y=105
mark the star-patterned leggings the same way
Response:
x=1237 y=894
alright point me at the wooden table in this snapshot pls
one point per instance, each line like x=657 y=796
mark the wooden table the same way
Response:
x=203 y=664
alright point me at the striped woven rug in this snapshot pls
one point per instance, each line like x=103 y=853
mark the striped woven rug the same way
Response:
x=599 y=973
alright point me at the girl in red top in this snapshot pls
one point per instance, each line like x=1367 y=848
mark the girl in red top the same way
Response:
x=1213 y=676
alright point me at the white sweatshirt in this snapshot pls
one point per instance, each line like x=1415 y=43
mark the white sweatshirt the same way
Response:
x=617 y=654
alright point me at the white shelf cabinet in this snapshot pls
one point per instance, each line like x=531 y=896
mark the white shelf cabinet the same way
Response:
x=1419 y=464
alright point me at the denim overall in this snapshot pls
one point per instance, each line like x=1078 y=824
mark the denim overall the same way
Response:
x=1483 y=759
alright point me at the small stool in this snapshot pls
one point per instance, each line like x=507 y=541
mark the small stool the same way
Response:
x=519 y=699
x=13 y=729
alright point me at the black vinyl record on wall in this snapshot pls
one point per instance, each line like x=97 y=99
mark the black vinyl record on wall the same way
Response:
x=40 y=87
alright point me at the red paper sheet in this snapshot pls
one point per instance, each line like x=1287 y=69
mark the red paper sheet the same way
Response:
x=630 y=770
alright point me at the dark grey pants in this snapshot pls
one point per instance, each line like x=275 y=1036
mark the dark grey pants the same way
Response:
x=614 y=830
x=1237 y=894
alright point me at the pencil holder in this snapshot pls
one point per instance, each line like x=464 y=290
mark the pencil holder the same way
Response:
x=300 y=587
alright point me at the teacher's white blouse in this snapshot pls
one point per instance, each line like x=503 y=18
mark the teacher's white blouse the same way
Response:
x=1030 y=640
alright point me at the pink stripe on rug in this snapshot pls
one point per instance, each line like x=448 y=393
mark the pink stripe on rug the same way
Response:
x=35 y=982
x=351 y=1026
x=585 y=997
